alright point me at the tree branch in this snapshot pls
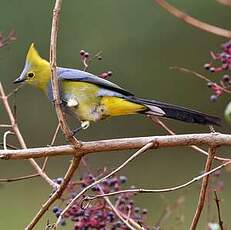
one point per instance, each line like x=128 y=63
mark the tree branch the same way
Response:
x=216 y=139
x=20 y=138
x=143 y=149
x=18 y=178
x=204 y=185
x=193 y=21
x=170 y=131
x=164 y=190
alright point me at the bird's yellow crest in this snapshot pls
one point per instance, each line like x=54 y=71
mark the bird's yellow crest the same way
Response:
x=36 y=70
x=33 y=55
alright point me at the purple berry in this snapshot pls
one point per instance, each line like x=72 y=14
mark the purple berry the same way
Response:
x=123 y=179
x=55 y=209
x=59 y=180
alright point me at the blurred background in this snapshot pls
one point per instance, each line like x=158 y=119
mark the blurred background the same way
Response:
x=139 y=41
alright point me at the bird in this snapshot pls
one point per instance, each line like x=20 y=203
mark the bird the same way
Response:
x=91 y=98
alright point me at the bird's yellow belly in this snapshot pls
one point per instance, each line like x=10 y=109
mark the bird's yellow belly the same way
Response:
x=86 y=96
x=115 y=106
x=92 y=107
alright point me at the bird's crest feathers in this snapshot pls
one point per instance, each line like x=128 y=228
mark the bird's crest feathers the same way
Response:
x=32 y=55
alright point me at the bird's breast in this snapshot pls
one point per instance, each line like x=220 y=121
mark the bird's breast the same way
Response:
x=86 y=94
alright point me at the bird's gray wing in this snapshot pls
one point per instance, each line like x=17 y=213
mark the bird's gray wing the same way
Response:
x=107 y=87
x=78 y=75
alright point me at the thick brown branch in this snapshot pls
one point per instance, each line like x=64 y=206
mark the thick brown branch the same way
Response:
x=193 y=21
x=216 y=139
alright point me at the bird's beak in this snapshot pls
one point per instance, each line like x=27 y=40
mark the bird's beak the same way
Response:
x=19 y=80
x=22 y=76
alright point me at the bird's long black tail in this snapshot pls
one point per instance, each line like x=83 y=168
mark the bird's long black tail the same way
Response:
x=178 y=113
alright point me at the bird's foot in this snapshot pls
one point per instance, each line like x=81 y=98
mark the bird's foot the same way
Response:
x=84 y=125
x=212 y=129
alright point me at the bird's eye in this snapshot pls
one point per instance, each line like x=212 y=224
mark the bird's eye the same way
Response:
x=30 y=75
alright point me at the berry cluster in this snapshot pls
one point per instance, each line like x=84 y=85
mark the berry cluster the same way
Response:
x=98 y=214
x=105 y=75
x=84 y=55
x=86 y=59
x=224 y=58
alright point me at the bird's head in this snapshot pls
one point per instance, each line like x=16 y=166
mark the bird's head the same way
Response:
x=36 y=70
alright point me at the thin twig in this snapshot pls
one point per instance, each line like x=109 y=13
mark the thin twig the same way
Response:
x=216 y=139
x=107 y=200
x=27 y=176
x=20 y=138
x=51 y=144
x=5 y=137
x=204 y=185
x=169 y=210
x=87 y=61
x=217 y=200
x=5 y=126
x=19 y=178
x=143 y=149
x=8 y=145
x=15 y=90
x=57 y=194
x=120 y=216
x=193 y=21
x=164 y=190
x=55 y=135
x=185 y=70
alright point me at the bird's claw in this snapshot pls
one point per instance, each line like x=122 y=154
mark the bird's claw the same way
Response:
x=84 y=125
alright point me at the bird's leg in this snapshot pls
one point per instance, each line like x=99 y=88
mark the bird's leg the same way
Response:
x=211 y=128
x=84 y=125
